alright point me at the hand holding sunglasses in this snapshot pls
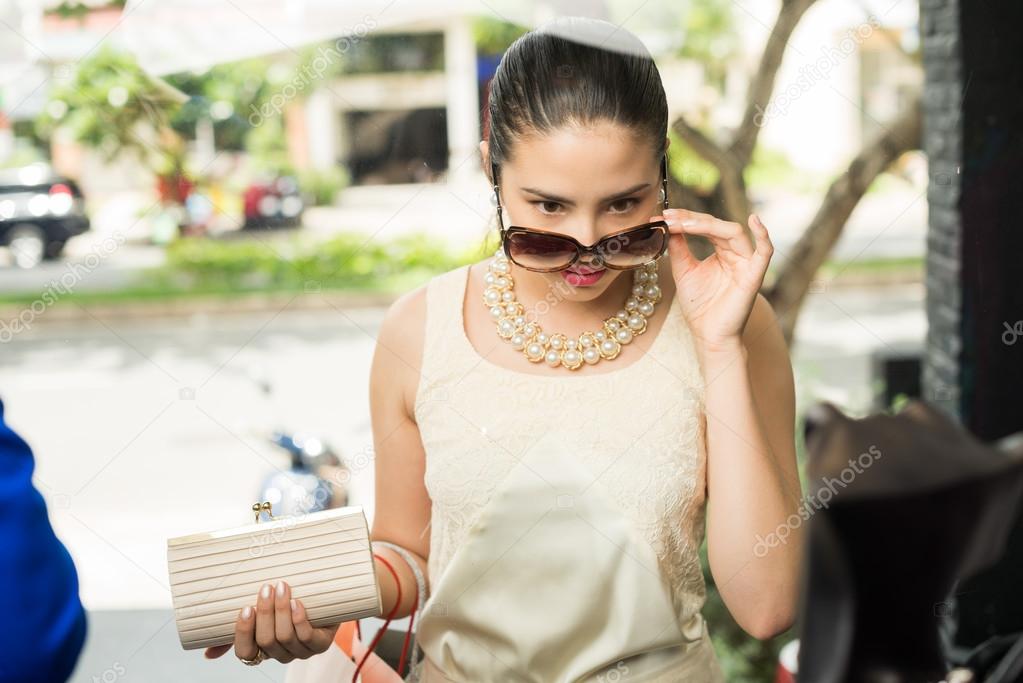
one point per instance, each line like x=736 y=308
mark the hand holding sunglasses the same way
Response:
x=717 y=293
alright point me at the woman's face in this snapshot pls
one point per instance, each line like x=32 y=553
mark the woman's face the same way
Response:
x=585 y=183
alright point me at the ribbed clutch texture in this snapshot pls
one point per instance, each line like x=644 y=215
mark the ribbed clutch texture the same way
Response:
x=325 y=557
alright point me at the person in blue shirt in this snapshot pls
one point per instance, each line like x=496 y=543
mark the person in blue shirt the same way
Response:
x=44 y=630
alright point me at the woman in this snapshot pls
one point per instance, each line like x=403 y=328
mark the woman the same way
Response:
x=553 y=479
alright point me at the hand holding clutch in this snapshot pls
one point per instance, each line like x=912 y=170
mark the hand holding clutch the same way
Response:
x=277 y=628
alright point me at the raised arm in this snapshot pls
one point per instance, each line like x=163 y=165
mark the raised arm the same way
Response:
x=754 y=533
x=753 y=488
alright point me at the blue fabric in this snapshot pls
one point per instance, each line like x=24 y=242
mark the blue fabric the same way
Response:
x=42 y=621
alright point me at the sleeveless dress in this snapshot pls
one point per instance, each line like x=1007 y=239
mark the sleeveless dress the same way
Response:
x=567 y=511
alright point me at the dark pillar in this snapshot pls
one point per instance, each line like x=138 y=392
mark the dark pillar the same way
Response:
x=973 y=361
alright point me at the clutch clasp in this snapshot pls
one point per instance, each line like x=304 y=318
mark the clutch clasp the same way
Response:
x=264 y=507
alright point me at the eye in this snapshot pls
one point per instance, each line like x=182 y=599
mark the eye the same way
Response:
x=540 y=204
x=632 y=202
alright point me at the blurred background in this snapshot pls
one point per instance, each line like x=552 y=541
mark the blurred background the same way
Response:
x=205 y=208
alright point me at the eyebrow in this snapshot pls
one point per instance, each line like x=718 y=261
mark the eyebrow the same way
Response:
x=564 y=200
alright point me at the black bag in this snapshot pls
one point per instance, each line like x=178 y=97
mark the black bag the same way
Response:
x=904 y=506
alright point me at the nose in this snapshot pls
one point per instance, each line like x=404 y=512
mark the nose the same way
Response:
x=591 y=235
x=591 y=259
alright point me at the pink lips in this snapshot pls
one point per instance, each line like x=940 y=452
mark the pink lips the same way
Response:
x=580 y=278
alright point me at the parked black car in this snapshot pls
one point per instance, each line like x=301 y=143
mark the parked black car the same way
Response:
x=39 y=212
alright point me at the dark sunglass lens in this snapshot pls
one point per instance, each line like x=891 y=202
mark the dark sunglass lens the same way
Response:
x=540 y=251
x=634 y=248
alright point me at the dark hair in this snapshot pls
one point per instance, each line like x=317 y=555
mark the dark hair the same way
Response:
x=574 y=71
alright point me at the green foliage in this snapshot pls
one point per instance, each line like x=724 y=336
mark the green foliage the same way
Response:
x=322 y=185
x=22 y=155
x=110 y=104
x=688 y=167
x=71 y=9
x=493 y=36
x=348 y=261
x=711 y=37
x=771 y=168
x=228 y=94
x=266 y=144
x=899 y=402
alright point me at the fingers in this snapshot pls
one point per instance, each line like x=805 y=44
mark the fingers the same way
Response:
x=764 y=248
x=245 y=634
x=722 y=233
x=214 y=652
x=316 y=639
x=678 y=250
x=284 y=628
x=279 y=625
x=266 y=630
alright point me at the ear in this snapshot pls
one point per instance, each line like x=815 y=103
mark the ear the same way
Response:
x=485 y=155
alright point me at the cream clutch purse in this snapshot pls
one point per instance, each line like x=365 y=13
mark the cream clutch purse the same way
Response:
x=326 y=557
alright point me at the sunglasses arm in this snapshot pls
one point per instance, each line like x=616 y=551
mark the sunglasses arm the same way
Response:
x=497 y=198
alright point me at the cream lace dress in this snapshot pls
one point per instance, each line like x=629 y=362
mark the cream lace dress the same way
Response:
x=567 y=511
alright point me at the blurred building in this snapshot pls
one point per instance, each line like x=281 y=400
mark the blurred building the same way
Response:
x=413 y=116
x=399 y=103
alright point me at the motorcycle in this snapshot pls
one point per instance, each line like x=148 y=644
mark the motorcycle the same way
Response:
x=316 y=477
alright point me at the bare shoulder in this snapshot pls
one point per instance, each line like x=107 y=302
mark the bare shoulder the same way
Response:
x=397 y=358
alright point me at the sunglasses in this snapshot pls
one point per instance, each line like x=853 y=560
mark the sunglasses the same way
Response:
x=543 y=251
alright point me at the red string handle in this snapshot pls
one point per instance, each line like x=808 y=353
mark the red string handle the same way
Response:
x=383 y=629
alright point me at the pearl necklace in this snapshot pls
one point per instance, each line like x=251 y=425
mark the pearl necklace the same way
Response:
x=557 y=350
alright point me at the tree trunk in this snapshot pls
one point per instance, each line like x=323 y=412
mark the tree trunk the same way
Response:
x=812 y=249
x=730 y=201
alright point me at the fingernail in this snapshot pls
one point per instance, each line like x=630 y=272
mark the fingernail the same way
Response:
x=294 y=605
x=280 y=589
x=266 y=590
x=246 y=613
